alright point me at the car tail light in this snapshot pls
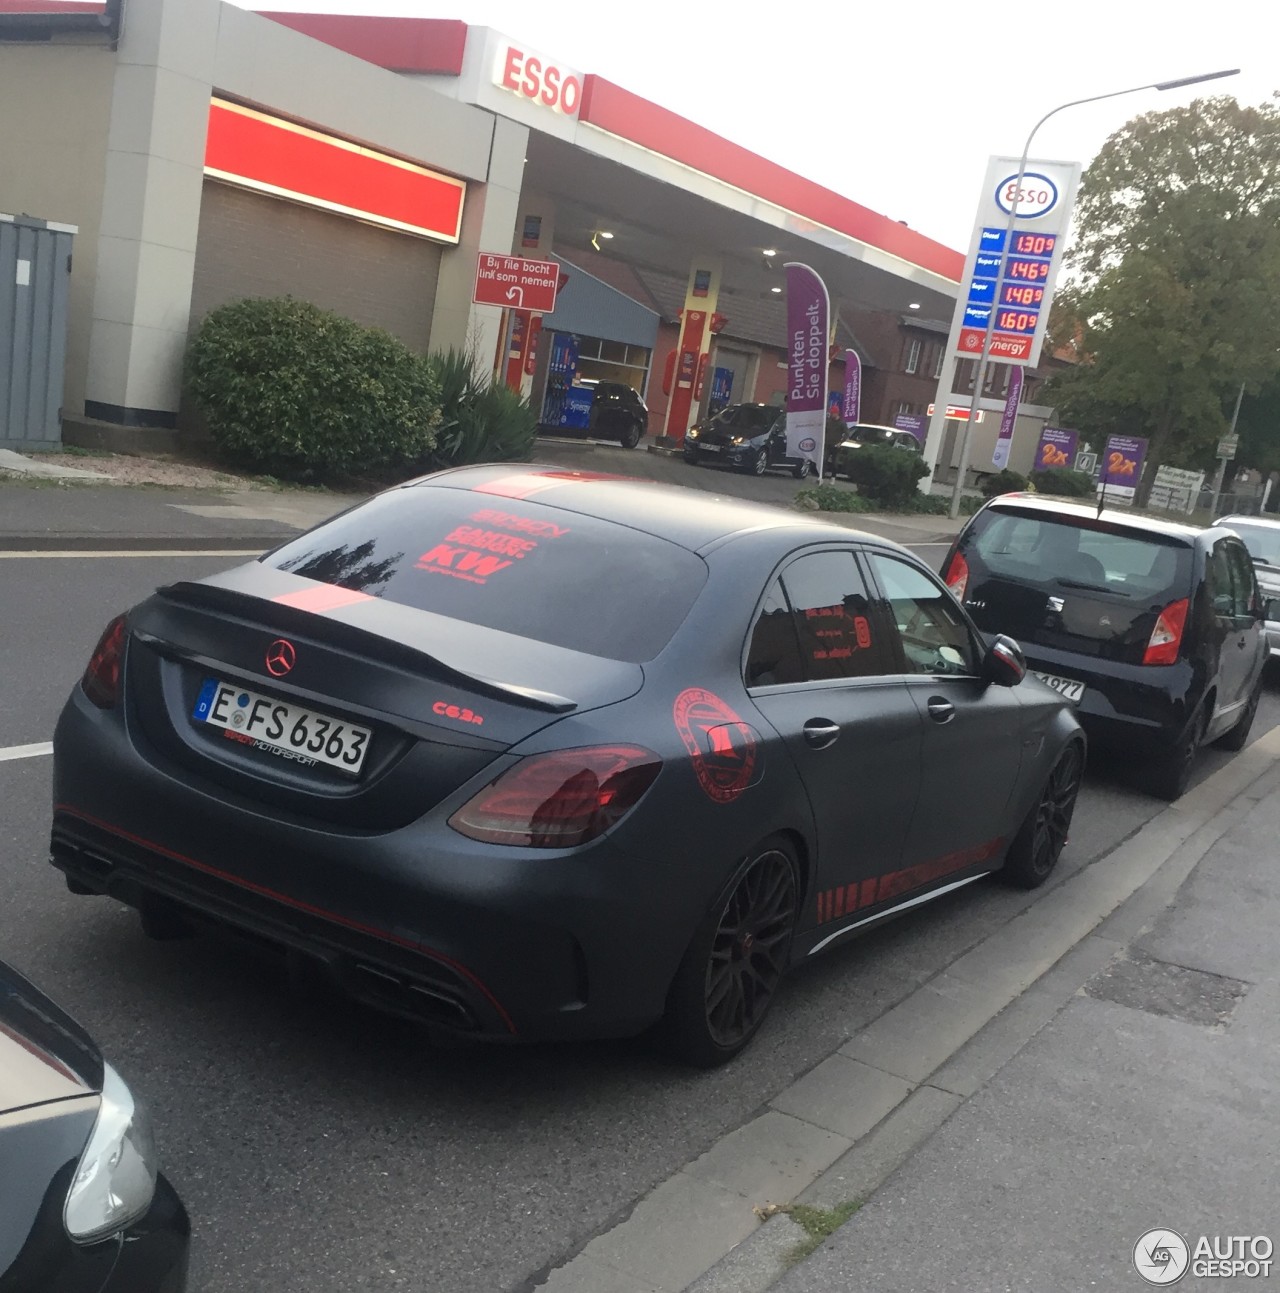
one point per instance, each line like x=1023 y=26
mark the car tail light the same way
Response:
x=957 y=576
x=101 y=681
x=1166 y=637
x=560 y=800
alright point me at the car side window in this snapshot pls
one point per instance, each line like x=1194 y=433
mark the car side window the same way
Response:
x=1243 y=582
x=840 y=634
x=1223 y=581
x=935 y=636
x=774 y=655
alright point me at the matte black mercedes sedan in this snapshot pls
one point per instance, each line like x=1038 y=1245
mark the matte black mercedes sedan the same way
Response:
x=82 y=1208
x=1151 y=628
x=530 y=753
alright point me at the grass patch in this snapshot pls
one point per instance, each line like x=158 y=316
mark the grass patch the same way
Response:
x=834 y=498
x=818 y=1224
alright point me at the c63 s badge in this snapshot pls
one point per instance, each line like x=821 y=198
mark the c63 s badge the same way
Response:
x=722 y=748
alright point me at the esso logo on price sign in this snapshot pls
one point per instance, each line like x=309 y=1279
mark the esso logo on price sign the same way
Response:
x=1037 y=195
x=539 y=80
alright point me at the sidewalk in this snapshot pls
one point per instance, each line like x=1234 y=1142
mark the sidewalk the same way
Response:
x=1148 y=1101
x=88 y=513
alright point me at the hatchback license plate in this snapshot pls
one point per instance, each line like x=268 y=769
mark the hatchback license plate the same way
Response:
x=1066 y=687
x=282 y=727
x=709 y=448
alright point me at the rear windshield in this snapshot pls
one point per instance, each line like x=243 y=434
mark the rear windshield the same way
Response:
x=1263 y=541
x=557 y=577
x=1096 y=557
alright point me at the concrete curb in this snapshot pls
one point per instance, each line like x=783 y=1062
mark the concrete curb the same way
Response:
x=838 y=1131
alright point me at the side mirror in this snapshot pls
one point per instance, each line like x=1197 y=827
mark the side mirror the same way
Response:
x=1004 y=665
x=1271 y=608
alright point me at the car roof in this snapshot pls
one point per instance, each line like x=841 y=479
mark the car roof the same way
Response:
x=1236 y=518
x=691 y=518
x=1085 y=511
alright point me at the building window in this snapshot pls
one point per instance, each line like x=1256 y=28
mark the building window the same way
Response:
x=913 y=355
x=940 y=361
x=903 y=407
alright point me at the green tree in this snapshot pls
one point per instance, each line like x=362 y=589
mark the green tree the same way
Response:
x=1175 y=291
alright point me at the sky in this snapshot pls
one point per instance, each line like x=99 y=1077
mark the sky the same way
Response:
x=895 y=105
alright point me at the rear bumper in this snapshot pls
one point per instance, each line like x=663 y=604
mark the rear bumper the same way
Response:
x=153 y=1257
x=472 y=939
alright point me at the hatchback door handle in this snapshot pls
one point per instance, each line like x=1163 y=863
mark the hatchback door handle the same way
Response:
x=821 y=732
x=941 y=711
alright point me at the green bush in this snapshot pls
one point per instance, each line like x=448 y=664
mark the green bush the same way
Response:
x=1003 y=482
x=833 y=498
x=480 y=420
x=886 y=475
x=302 y=393
x=1058 y=480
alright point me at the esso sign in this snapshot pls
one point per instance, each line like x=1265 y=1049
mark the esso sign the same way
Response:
x=539 y=80
x=1037 y=196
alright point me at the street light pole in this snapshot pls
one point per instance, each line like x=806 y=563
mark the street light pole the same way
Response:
x=980 y=372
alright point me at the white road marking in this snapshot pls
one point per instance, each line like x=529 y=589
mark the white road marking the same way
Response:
x=8 y=752
x=158 y=552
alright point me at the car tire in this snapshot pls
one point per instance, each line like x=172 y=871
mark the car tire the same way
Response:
x=759 y=464
x=1172 y=771
x=738 y=956
x=692 y=459
x=1043 y=834
x=802 y=469
x=631 y=436
x=1235 y=739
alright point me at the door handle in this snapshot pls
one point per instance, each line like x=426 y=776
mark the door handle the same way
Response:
x=941 y=711
x=821 y=732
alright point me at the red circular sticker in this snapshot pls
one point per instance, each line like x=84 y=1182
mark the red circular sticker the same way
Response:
x=722 y=748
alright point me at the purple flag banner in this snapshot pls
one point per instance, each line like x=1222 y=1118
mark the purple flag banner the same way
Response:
x=1056 y=449
x=852 y=387
x=808 y=323
x=1004 y=441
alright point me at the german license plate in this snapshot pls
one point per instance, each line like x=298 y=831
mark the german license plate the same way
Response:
x=709 y=448
x=1066 y=687
x=280 y=727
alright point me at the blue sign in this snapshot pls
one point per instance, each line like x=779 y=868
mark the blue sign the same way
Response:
x=982 y=290
x=1021 y=270
x=721 y=389
x=575 y=409
x=992 y=239
x=976 y=316
x=986 y=266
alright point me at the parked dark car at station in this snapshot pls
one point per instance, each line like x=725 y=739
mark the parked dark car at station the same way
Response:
x=82 y=1207
x=747 y=437
x=1152 y=629
x=528 y=753
x=860 y=434
x=618 y=413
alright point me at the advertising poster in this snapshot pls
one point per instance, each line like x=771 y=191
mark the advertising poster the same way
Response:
x=916 y=423
x=1008 y=420
x=852 y=388
x=1121 y=468
x=1056 y=450
x=808 y=321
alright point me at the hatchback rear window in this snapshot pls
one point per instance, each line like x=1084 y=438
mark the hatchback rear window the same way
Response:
x=573 y=581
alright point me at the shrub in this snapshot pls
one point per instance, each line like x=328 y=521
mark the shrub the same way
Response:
x=886 y=474
x=1074 y=484
x=1003 y=482
x=289 y=389
x=480 y=420
x=832 y=498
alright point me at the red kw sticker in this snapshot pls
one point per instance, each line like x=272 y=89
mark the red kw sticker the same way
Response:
x=722 y=748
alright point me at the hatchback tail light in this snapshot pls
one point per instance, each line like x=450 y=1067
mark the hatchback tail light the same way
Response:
x=101 y=681
x=957 y=576
x=1166 y=637
x=559 y=800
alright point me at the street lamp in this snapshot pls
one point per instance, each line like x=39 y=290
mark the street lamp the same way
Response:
x=981 y=372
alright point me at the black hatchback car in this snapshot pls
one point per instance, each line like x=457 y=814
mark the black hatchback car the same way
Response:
x=1152 y=629
x=530 y=753
x=747 y=437
x=618 y=413
x=82 y=1207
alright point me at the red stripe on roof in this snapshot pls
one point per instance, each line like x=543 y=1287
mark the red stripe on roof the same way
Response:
x=627 y=115
x=427 y=45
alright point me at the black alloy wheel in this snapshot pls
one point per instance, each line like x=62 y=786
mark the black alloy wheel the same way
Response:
x=1043 y=834
x=630 y=437
x=728 y=978
x=759 y=463
x=1236 y=738
x=1171 y=774
x=802 y=469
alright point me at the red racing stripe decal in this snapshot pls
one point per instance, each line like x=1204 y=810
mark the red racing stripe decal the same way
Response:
x=321 y=598
x=297 y=904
